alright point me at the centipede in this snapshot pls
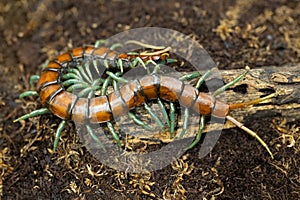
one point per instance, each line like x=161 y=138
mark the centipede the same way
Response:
x=59 y=79
x=80 y=71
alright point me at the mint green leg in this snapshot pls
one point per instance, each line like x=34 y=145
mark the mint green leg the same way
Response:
x=28 y=94
x=100 y=42
x=164 y=112
x=113 y=132
x=185 y=122
x=32 y=79
x=33 y=114
x=202 y=79
x=117 y=78
x=153 y=116
x=95 y=138
x=190 y=76
x=198 y=137
x=172 y=119
x=138 y=121
x=222 y=89
x=59 y=129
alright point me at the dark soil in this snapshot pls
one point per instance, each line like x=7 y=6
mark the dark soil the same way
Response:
x=235 y=33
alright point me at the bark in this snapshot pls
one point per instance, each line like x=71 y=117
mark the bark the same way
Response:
x=263 y=81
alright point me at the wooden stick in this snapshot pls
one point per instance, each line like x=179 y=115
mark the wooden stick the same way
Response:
x=262 y=81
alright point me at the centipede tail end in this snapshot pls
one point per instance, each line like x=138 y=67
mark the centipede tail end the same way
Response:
x=250 y=132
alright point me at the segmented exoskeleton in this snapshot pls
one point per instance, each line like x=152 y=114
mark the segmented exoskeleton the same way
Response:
x=84 y=107
x=86 y=72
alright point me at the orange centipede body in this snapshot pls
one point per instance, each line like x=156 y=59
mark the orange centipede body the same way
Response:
x=104 y=108
x=96 y=110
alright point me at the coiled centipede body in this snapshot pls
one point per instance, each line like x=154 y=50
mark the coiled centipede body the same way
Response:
x=105 y=108
x=81 y=71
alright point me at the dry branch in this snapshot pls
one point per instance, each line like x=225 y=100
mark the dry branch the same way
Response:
x=262 y=81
